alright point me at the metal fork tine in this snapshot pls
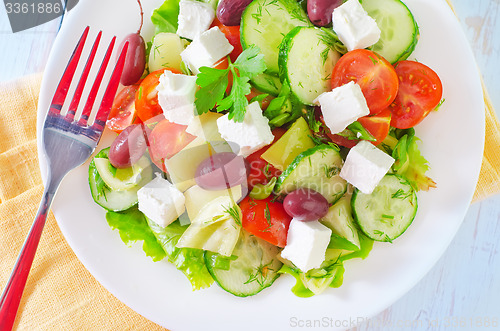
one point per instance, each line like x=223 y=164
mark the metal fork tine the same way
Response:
x=81 y=83
x=65 y=82
x=109 y=95
x=66 y=144
x=95 y=87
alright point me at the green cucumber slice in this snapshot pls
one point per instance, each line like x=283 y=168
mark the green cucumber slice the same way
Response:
x=388 y=211
x=110 y=199
x=317 y=168
x=311 y=48
x=339 y=220
x=252 y=267
x=399 y=30
x=264 y=23
x=267 y=83
x=121 y=179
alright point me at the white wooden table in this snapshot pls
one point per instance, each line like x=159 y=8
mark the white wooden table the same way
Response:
x=462 y=291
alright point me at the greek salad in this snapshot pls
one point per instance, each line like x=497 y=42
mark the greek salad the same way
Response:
x=267 y=137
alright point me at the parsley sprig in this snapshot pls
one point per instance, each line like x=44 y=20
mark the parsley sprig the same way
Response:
x=213 y=84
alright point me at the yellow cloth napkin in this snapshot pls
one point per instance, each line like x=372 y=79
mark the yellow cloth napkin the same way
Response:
x=489 y=177
x=60 y=293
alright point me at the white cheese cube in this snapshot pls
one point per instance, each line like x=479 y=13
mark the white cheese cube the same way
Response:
x=248 y=136
x=176 y=97
x=161 y=201
x=206 y=50
x=365 y=166
x=354 y=27
x=342 y=106
x=194 y=18
x=306 y=244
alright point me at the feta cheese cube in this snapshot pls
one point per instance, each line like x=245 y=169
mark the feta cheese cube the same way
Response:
x=306 y=244
x=342 y=106
x=206 y=50
x=176 y=97
x=354 y=27
x=248 y=136
x=365 y=166
x=161 y=201
x=194 y=18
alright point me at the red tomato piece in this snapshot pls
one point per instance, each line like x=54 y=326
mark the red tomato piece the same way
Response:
x=166 y=140
x=260 y=170
x=374 y=74
x=264 y=103
x=378 y=126
x=123 y=113
x=232 y=34
x=146 y=98
x=266 y=219
x=420 y=91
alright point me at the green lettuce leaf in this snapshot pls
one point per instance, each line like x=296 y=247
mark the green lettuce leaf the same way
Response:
x=132 y=226
x=410 y=163
x=188 y=260
x=164 y=18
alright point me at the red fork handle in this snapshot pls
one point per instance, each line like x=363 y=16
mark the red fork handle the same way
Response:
x=11 y=296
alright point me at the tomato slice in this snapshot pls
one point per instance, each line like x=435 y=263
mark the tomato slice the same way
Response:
x=166 y=140
x=378 y=126
x=232 y=34
x=262 y=171
x=265 y=219
x=374 y=74
x=420 y=91
x=122 y=113
x=146 y=98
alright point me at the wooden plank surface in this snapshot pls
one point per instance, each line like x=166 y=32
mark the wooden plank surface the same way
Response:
x=24 y=52
x=462 y=290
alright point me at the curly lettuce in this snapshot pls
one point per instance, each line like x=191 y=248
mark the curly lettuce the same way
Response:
x=164 y=18
x=188 y=260
x=132 y=226
x=410 y=163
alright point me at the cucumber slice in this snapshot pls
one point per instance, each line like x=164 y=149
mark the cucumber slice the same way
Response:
x=317 y=168
x=311 y=48
x=399 y=30
x=339 y=220
x=264 y=23
x=267 y=83
x=388 y=211
x=121 y=179
x=252 y=267
x=114 y=200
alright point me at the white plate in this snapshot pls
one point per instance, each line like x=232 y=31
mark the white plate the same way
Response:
x=452 y=140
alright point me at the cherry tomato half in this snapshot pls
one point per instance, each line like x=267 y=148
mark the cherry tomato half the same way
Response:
x=166 y=140
x=266 y=219
x=232 y=34
x=260 y=170
x=374 y=74
x=420 y=91
x=146 y=98
x=378 y=126
x=123 y=113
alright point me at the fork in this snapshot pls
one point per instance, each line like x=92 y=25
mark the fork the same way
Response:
x=67 y=144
